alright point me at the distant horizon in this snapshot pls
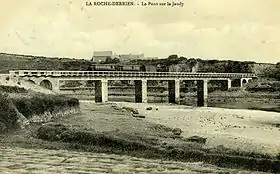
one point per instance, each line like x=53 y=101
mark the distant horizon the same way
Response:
x=145 y=58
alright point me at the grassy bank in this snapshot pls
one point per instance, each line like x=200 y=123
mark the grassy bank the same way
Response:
x=12 y=89
x=101 y=128
x=141 y=146
x=108 y=128
x=30 y=105
x=19 y=105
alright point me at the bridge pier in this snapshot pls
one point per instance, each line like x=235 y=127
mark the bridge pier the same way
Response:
x=55 y=85
x=229 y=84
x=50 y=79
x=141 y=91
x=101 y=90
x=202 y=92
x=174 y=91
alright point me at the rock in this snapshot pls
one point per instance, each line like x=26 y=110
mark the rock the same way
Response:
x=196 y=139
x=116 y=107
x=240 y=117
x=156 y=109
x=135 y=111
x=138 y=116
x=177 y=131
x=149 y=108
x=132 y=110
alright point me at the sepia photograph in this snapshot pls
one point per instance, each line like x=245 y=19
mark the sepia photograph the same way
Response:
x=140 y=86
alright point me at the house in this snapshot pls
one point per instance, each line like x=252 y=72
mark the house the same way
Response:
x=101 y=56
x=128 y=57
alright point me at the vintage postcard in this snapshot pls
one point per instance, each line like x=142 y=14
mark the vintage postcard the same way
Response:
x=140 y=86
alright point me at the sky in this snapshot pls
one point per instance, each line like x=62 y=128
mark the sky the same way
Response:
x=212 y=29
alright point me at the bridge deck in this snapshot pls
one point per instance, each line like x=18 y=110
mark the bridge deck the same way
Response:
x=23 y=73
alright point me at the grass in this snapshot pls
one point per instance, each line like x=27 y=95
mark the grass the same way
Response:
x=268 y=109
x=70 y=135
x=40 y=103
x=29 y=104
x=114 y=143
x=12 y=89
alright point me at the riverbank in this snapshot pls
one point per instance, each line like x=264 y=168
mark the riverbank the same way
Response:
x=241 y=99
x=112 y=128
x=19 y=107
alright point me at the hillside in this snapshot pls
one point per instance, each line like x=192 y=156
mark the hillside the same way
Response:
x=171 y=63
x=13 y=61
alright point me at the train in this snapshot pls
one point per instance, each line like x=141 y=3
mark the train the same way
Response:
x=116 y=67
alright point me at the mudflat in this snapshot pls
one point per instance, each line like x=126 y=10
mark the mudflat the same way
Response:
x=240 y=129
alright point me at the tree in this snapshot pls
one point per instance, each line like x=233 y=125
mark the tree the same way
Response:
x=109 y=60
x=272 y=73
x=173 y=56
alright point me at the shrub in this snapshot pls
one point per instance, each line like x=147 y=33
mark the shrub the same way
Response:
x=51 y=131
x=234 y=89
x=41 y=103
x=8 y=113
x=12 y=89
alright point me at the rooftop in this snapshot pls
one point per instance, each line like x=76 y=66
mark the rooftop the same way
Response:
x=102 y=53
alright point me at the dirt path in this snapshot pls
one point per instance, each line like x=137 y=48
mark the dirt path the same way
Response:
x=19 y=161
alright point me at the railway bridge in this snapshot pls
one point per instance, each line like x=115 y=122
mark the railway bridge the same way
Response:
x=51 y=80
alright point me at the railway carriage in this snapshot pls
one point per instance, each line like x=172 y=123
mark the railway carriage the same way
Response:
x=114 y=67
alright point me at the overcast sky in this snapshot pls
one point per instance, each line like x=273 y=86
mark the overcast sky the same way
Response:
x=207 y=29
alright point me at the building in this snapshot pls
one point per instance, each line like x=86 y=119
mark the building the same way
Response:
x=128 y=57
x=101 y=56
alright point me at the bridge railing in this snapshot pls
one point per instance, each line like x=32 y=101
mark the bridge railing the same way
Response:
x=129 y=74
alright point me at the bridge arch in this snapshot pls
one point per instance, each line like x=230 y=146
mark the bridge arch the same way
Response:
x=46 y=84
x=244 y=81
